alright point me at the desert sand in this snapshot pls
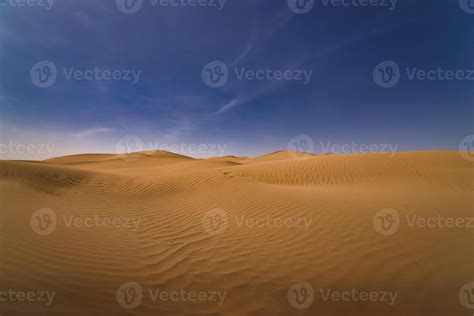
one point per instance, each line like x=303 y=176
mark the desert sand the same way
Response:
x=240 y=233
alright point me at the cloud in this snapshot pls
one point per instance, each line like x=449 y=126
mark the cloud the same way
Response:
x=244 y=53
x=241 y=100
x=92 y=131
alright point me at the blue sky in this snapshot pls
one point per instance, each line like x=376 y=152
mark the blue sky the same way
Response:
x=170 y=103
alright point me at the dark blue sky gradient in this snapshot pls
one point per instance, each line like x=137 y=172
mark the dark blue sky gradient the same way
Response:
x=171 y=103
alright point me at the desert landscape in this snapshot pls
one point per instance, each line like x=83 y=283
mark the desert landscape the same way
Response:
x=157 y=233
x=236 y=158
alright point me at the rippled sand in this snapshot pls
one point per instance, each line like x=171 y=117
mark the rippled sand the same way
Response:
x=156 y=233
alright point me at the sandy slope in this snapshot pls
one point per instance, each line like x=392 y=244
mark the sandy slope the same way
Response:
x=173 y=247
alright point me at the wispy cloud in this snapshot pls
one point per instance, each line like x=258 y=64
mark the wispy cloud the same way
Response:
x=245 y=52
x=92 y=131
x=243 y=99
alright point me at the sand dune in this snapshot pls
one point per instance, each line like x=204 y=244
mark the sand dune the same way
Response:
x=240 y=233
